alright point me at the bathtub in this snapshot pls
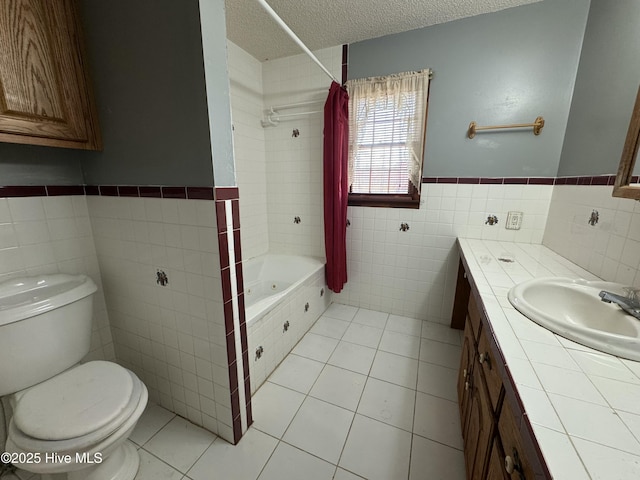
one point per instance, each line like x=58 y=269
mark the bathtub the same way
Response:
x=284 y=295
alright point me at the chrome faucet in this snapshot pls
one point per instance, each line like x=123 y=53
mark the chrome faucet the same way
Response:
x=628 y=303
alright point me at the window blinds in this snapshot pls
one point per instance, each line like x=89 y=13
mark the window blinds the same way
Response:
x=387 y=124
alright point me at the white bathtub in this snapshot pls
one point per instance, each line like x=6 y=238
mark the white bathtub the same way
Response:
x=269 y=278
x=284 y=296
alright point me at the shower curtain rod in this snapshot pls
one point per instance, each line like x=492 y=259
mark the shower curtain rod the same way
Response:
x=295 y=38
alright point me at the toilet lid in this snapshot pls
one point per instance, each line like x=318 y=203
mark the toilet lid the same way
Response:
x=74 y=403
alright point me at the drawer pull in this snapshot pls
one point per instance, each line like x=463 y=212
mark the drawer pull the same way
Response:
x=466 y=386
x=464 y=373
x=512 y=464
x=485 y=358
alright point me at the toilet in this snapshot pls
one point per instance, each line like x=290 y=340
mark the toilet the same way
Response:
x=67 y=420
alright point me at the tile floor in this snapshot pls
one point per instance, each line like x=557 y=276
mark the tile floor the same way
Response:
x=363 y=395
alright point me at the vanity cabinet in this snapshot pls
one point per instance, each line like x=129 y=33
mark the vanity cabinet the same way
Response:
x=497 y=443
x=45 y=91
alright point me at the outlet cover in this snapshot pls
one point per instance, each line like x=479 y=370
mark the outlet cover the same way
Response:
x=514 y=221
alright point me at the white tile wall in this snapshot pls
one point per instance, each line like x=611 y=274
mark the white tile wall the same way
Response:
x=173 y=337
x=611 y=248
x=294 y=164
x=413 y=273
x=245 y=75
x=53 y=235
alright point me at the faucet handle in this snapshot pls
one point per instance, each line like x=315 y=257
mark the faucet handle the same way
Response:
x=631 y=293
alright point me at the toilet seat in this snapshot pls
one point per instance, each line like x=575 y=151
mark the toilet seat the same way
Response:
x=37 y=416
x=121 y=455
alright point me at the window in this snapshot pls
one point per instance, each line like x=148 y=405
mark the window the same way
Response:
x=387 y=120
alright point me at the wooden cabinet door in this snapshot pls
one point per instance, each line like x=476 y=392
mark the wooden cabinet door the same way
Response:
x=488 y=362
x=464 y=375
x=479 y=427
x=495 y=469
x=45 y=94
x=517 y=464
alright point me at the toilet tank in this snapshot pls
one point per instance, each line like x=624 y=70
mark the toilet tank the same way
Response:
x=45 y=327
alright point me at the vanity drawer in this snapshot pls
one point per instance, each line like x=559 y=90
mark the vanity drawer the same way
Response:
x=487 y=360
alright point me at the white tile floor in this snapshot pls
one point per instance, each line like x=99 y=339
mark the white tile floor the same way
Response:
x=363 y=395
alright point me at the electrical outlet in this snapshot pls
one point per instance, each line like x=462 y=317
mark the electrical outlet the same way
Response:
x=514 y=221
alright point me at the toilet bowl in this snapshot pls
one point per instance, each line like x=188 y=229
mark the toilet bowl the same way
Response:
x=70 y=421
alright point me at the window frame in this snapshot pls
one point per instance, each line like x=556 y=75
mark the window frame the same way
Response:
x=411 y=199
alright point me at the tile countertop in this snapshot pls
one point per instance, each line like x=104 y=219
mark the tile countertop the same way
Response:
x=583 y=405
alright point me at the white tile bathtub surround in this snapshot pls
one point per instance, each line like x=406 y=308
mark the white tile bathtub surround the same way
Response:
x=413 y=273
x=246 y=90
x=173 y=337
x=53 y=235
x=560 y=382
x=294 y=164
x=611 y=248
x=268 y=332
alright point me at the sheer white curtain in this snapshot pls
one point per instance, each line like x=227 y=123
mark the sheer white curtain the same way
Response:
x=387 y=120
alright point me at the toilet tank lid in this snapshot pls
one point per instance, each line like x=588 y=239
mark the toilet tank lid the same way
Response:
x=25 y=297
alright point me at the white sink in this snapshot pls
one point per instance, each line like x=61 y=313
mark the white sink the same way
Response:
x=572 y=308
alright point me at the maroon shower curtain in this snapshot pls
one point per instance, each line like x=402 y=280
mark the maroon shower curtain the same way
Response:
x=336 y=173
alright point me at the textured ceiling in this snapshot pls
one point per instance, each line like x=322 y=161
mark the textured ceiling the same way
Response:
x=327 y=23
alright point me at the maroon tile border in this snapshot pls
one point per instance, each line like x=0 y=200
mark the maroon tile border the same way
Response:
x=588 y=180
x=150 y=191
x=226 y=193
x=223 y=248
x=91 y=190
x=221 y=196
x=26 y=191
x=108 y=190
x=541 y=181
x=231 y=193
x=231 y=357
x=235 y=211
x=174 y=192
x=128 y=191
x=200 y=193
x=59 y=190
x=516 y=181
x=237 y=247
x=221 y=218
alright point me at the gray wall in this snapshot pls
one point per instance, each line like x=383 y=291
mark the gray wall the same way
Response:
x=605 y=90
x=34 y=165
x=147 y=68
x=498 y=68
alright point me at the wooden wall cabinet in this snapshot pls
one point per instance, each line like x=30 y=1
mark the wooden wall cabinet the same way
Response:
x=497 y=445
x=45 y=91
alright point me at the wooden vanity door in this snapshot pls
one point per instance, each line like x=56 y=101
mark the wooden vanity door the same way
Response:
x=464 y=375
x=479 y=428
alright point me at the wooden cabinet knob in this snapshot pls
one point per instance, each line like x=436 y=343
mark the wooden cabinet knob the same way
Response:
x=512 y=464
x=509 y=466
x=485 y=358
